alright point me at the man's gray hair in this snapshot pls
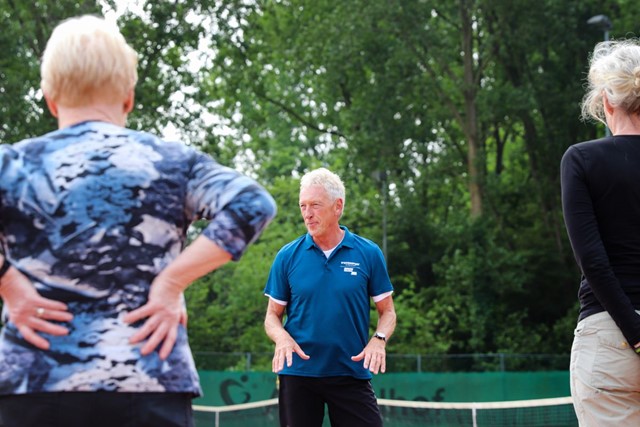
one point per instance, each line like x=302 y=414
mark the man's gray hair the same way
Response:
x=328 y=180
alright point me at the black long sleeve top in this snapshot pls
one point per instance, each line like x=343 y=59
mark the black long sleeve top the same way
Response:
x=601 y=206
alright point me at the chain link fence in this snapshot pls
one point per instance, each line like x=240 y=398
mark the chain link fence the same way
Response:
x=490 y=362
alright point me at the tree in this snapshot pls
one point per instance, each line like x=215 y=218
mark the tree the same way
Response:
x=464 y=107
x=425 y=92
x=26 y=26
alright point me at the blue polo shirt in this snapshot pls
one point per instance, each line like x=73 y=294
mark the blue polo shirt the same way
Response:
x=328 y=302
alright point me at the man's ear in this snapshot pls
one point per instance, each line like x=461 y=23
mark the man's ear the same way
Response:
x=339 y=206
x=51 y=105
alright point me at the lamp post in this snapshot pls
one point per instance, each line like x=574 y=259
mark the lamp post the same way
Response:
x=602 y=22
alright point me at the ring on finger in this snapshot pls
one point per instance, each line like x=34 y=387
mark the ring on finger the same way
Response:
x=40 y=312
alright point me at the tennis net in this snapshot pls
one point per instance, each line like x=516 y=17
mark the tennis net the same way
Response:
x=254 y=414
x=555 y=412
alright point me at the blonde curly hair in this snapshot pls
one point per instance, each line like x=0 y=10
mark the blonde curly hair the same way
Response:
x=615 y=70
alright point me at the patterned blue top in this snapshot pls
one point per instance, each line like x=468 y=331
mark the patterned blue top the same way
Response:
x=91 y=214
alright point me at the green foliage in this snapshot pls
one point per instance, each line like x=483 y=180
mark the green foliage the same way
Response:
x=371 y=89
x=420 y=329
x=25 y=29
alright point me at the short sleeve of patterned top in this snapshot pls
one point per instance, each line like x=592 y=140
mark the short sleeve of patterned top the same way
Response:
x=91 y=214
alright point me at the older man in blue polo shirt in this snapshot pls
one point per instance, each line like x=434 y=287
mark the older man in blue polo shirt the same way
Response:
x=324 y=281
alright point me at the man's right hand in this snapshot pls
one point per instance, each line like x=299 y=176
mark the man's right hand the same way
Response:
x=285 y=347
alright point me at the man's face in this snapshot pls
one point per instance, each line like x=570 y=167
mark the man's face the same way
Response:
x=320 y=214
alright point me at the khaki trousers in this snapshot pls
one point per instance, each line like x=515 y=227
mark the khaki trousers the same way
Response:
x=605 y=375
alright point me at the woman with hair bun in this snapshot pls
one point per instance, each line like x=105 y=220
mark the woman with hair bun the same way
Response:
x=601 y=205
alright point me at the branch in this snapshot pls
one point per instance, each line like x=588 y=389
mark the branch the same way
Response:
x=299 y=117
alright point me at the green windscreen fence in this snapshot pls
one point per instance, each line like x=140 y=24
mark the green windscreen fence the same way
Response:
x=488 y=399
x=231 y=388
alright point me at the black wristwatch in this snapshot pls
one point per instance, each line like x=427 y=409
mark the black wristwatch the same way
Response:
x=380 y=336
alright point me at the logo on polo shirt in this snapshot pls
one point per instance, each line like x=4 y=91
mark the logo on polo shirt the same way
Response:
x=348 y=266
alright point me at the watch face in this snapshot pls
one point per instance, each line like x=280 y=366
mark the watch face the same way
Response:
x=380 y=335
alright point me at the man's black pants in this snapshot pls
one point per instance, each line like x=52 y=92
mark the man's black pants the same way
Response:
x=351 y=402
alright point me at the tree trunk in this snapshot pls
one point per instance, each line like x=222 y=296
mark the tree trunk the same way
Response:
x=470 y=125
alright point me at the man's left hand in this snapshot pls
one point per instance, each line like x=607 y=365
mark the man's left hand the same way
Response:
x=374 y=355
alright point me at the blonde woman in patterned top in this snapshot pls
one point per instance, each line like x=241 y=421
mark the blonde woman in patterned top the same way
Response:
x=93 y=222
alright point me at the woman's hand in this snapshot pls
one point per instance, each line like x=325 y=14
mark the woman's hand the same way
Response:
x=31 y=313
x=163 y=312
